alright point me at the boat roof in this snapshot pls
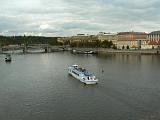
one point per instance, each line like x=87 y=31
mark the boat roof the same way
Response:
x=74 y=65
x=82 y=70
x=86 y=73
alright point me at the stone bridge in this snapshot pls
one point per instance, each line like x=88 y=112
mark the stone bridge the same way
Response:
x=25 y=47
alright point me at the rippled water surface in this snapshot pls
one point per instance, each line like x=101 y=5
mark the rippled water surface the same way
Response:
x=38 y=87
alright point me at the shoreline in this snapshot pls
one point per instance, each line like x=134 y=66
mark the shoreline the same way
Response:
x=112 y=51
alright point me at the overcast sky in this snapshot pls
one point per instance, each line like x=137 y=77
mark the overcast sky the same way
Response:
x=70 y=17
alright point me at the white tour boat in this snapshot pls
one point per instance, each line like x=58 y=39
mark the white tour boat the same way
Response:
x=82 y=74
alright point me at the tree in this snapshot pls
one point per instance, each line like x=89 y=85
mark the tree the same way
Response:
x=106 y=44
x=123 y=47
x=114 y=47
x=127 y=46
x=6 y=40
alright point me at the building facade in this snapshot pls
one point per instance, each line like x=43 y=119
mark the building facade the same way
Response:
x=153 y=39
x=78 y=39
x=131 y=40
x=102 y=36
x=123 y=40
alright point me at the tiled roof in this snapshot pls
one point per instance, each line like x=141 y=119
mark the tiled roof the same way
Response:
x=154 y=43
x=132 y=33
x=154 y=33
x=159 y=42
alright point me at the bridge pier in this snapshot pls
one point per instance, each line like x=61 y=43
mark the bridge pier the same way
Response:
x=47 y=49
x=0 y=50
x=25 y=49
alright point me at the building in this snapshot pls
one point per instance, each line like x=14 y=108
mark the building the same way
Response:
x=153 y=39
x=102 y=36
x=63 y=40
x=83 y=38
x=79 y=38
x=131 y=40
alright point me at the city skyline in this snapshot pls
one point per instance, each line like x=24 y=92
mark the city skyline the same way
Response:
x=70 y=17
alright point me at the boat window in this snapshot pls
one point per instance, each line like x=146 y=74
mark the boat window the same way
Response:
x=75 y=73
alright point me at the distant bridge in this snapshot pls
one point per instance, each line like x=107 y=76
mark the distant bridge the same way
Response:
x=25 y=47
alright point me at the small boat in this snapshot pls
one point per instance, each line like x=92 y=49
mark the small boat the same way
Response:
x=90 y=52
x=82 y=74
x=84 y=52
x=8 y=58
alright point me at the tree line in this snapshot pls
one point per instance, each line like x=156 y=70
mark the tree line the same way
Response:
x=12 y=40
x=7 y=40
x=93 y=44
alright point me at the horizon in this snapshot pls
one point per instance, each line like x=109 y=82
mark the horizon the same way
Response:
x=70 y=17
x=75 y=34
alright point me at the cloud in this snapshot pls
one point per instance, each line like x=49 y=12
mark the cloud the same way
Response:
x=69 y=17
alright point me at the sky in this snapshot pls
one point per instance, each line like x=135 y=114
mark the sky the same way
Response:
x=71 y=17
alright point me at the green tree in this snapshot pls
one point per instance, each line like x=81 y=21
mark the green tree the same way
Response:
x=106 y=44
x=127 y=46
x=123 y=47
x=114 y=46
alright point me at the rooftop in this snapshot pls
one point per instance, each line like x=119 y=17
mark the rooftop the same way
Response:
x=132 y=33
x=154 y=33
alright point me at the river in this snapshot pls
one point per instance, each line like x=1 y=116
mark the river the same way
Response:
x=38 y=87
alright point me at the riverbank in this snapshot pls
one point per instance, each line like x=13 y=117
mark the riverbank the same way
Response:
x=104 y=50
x=112 y=51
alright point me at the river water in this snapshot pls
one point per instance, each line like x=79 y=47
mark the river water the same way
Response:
x=38 y=87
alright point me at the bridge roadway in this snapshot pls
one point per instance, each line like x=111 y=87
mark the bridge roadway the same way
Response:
x=46 y=47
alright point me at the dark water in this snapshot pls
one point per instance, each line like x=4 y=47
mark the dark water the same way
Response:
x=38 y=87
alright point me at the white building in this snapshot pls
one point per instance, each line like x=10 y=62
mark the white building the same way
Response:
x=153 y=39
x=102 y=36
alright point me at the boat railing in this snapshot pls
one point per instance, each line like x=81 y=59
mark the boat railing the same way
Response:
x=75 y=66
